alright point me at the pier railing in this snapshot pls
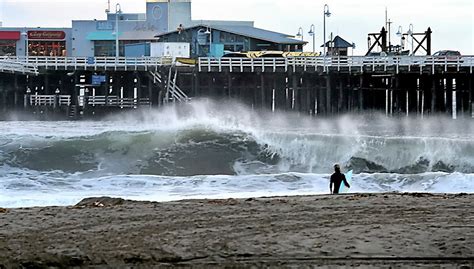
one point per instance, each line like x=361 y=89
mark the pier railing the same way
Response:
x=116 y=101
x=89 y=63
x=349 y=63
x=94 y=101
x=32 y=65
x=15 y=66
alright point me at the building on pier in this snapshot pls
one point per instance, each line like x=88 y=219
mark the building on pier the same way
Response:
x=215 y=40
x=44 y=42
x=338 y=46
x=93 y=38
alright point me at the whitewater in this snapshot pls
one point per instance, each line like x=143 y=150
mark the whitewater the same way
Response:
x=210 y=149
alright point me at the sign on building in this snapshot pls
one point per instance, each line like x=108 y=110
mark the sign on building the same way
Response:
x=46 y=35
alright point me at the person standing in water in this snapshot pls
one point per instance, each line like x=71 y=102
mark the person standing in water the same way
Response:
x=336 y=180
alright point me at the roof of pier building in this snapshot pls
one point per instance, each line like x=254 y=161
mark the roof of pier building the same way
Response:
x=338 y=42
x=247 y=31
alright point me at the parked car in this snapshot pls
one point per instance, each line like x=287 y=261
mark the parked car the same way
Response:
x=447 y=53
x=450 y=57
x=235 y=55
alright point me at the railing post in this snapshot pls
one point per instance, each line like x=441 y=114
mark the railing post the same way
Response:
x=397 y=59
x=27 y=99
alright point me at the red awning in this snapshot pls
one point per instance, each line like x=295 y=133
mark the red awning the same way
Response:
x=9 y=35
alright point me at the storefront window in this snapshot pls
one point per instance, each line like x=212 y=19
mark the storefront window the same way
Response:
x=47 y=48
x=7 y=48
x=104 y=48
x=107 y=48
x=47 y=43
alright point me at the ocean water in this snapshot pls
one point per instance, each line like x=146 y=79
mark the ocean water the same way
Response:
x=209 y=149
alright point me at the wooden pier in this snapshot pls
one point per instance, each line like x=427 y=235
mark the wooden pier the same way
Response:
x=406 y=85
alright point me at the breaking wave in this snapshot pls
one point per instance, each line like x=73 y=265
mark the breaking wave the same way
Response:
x=207 y=149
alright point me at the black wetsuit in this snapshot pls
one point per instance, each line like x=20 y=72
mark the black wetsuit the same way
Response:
x=337 y=179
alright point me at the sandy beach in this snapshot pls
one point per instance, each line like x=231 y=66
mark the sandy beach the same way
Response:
x=362 y=230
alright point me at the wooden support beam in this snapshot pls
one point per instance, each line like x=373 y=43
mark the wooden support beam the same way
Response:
x=47 y=90
x=434 y=95
x=340 y=98
x=229 y=85
x=262 y=96
x=288 y=93
x=16 y=91
x=317 y=102
x=329 y=107
x=471 y=94
x=454 y=98
x=449 y=95
x=295 y=95
x=196 y=83
x=138 y=87
x=361 y=93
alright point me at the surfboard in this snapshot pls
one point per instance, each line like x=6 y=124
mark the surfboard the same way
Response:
x=343 y=188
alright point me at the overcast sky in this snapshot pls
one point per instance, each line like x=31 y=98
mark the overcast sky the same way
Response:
x=452 y=21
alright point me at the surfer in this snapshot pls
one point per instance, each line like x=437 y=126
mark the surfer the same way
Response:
x=336 y=179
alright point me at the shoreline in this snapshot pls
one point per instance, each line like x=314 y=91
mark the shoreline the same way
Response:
x=357 y=230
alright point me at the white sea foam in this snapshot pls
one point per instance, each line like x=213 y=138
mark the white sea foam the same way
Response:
x=161 y=189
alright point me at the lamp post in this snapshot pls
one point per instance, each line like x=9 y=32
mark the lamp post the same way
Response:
x=410 y=33
x=400 y=34
x=118 y=10
x=312 y=32
x=325 y=14
x=300 y=33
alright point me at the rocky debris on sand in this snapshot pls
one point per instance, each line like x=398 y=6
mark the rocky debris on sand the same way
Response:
x=3 y=210
x=100 y=202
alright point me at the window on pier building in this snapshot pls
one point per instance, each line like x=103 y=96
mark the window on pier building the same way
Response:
x=46 y=43
x=234 y=47
x=184 y=36
x=47 y=48
x=230 y=38
x=106 y=48
x=266 y=46
x=7 y=48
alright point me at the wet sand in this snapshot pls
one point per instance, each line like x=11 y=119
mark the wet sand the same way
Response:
x=365 y=231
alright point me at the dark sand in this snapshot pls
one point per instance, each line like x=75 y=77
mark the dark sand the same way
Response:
x=365 y=231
